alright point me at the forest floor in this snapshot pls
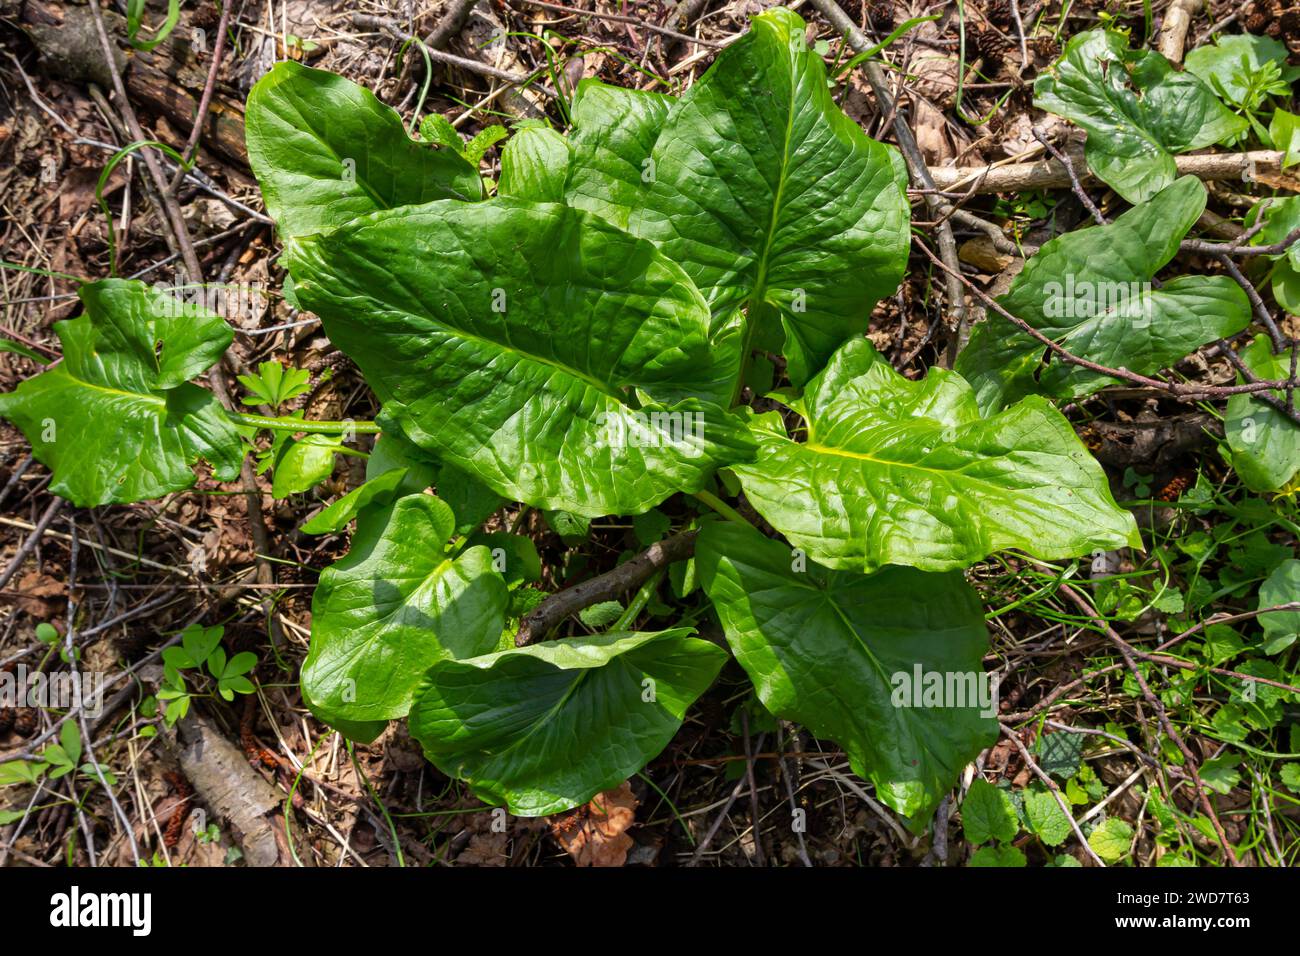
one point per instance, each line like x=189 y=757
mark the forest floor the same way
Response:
x=128 y=579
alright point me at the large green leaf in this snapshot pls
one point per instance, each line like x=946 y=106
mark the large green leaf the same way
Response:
x=759 y=186
x=326 y=151
x=534 y=164
x=1265 y=444
x=614 y=132
x=901 y=472
x=393 y=606
x=117 y=419
x=542 y=729
x=1090 y=291
x=838 y=652
x=1137 y=109
x=513 y=340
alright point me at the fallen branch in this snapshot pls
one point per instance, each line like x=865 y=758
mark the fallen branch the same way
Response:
x=229 y=786
x=627 y=576
x=1052 y=174
x=1185 y=392
x=1173 y=34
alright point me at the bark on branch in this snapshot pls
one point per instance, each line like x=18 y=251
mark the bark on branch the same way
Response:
x=1051 y=174
x=605 y=587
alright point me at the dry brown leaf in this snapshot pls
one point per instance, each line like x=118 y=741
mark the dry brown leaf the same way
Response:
x=485 y=849
x=595 y=834
x=36 y=594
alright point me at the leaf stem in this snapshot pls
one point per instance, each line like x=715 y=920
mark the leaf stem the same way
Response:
x=303 y=425
x=638 y=602
x=722 y=508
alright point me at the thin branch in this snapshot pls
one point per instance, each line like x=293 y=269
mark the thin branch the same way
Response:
x=605 y=587
x=1177 y=390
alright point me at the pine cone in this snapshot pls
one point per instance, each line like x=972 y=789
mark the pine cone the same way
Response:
x=1255 y=22
x=6 y=720
x=991 y=45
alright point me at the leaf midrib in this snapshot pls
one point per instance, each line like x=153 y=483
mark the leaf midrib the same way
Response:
x=428 y=317
x=760 y=280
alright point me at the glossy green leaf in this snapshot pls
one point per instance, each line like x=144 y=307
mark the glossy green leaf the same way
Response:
x=516 y=359
x=998 y=856
x=394 y=469
x=1090 y=291
x=610 y=174
x=1138 y=111
x=987 y=814
x=1281 y=218
x=768 y=195
x=1265 y=444
x=1281 y=628
x=326 y=151
x=334 y=517
x=534 y=165
x=117 y=420
x=303 y=463
x=544 y=728
x=614 y=132
x=392 y=607
x=839 y=652
x=1111 y=840
x=514 y=556
x=900 y=472
x=1046 y=818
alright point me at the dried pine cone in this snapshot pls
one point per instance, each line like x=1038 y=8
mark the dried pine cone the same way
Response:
x=991 y=45
x=999 y=12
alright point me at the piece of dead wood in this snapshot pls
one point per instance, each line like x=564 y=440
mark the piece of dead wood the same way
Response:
x=1153 y=443
x=230 y=788
x=1050 y=174
x=1173 y=33
x=166 y=81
